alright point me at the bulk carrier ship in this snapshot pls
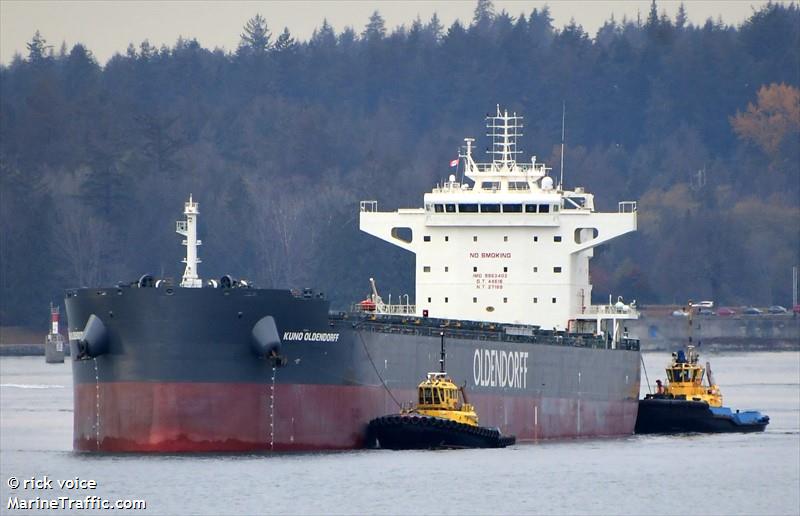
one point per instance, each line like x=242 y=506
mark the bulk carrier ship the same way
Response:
x=502 y=272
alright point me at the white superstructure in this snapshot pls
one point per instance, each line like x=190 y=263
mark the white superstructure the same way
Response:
x=188 y=228
x=511 y=247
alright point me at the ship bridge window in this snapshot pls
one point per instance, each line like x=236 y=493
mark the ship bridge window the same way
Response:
x=438 y=208
x=450 y=208
x=512 y=208
x=518 y=185
x=490 y=185
x=530 y=208
x=544 y=208
x=490 y=208
x=574 y=203
x=468 y=208
x=679 y=375
x=436 y=396
x=425 y=396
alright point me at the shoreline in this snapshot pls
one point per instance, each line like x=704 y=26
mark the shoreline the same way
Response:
x=25 y=350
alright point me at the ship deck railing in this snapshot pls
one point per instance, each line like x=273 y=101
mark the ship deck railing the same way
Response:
x=369 y=206
x=472 y=330
x=609 y=310
x=398 y=309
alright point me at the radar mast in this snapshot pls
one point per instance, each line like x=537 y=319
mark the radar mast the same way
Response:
x=188 y=228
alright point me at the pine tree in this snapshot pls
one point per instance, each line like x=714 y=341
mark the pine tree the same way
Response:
x=540 y=24
x=484 y=14
x=681 y=17
x=38 y=48
x=146 y=50
x=652 y=17
x=375 y=29
x=256 y=36
x=285 y=42
x=416 y=27
x=435 y=27
x=325 y=36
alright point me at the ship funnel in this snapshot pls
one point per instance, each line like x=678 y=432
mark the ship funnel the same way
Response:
x=95 y=339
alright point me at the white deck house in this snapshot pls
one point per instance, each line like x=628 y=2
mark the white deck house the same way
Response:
x=511 y=247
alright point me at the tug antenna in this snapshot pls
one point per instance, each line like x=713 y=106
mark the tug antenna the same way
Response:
x=443 y=355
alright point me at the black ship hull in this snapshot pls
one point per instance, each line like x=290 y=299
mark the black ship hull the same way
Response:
x=178 y=370
x=671 y=416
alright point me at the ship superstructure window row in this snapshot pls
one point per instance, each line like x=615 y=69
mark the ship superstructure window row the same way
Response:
x=493 y=208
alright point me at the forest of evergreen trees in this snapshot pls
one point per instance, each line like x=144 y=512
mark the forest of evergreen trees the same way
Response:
x=280 y=139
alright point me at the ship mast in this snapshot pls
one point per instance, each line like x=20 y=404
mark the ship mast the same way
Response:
x=504 y=129
x=188 y=228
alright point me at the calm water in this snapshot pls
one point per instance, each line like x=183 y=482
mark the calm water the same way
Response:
x=689 y=474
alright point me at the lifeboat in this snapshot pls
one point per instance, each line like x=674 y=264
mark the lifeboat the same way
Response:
x=441 y=418
x=367 y=305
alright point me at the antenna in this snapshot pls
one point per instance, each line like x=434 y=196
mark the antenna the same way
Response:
x=563 y=120
x=504 y=129
x=441 y=360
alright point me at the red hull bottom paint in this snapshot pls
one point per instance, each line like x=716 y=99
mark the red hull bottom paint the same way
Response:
x=205 y=417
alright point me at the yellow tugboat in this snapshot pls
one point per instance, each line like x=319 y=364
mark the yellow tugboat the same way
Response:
x=686 y=404
x=441 y=418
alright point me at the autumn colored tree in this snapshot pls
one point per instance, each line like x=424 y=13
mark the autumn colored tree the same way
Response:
x=772 y=120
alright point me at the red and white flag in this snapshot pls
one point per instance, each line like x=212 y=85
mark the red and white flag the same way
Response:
x=454 y=163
